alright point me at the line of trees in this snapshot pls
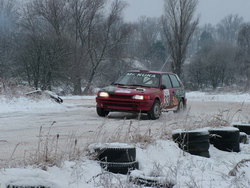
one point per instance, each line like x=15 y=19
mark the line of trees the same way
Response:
x=77 y=44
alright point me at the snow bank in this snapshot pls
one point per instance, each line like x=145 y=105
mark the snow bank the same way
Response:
x=26 y=104
x=232 y=97
x=162 y=158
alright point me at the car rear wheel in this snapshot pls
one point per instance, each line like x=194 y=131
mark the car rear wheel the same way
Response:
x=155 y=111
x=102 y=112
x=180 y=108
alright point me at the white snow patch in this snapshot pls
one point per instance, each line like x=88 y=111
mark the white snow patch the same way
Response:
x=162 y=158
x=232 y=97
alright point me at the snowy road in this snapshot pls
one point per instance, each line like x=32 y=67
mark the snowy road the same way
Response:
x=77 y=118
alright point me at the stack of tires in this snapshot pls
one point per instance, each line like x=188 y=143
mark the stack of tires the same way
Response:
x=244 y=138
x=117 y=157
x=242 y=127
x=29 y=186
x=225 y=138
x=195 y=142
x=139 y=178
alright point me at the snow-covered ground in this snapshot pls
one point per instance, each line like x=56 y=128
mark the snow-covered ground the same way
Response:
x=21 y=117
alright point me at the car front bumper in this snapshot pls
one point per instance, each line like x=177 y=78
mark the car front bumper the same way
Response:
x=112 y=104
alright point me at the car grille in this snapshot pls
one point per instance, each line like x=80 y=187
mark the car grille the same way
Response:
x=120 y=105
x=120 y=96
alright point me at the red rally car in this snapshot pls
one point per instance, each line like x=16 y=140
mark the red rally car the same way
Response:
x=143 y=91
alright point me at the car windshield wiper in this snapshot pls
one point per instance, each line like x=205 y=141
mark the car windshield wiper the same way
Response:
x=136 y=85
x=118 y=84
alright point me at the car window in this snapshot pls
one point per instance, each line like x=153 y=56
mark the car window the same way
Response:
x=166 y=81
x=140 y=79
x=174 y=80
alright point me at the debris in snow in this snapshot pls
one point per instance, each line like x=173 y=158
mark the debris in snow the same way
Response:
x=48 y=93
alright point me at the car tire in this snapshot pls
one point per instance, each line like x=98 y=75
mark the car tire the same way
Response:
x=225 y=140
x=116 y=154
x=190 y=137
x=120 y=168
x=223 y=135
x=151 y=181
x=243 y=138
x=180 y=107
x=200 y=153
x=155 y=111
x=194 y=142
x=227 y=146
x=102 y=112
x=58 y=100
x=195 y=147
x=242 y=127
x=28 y=186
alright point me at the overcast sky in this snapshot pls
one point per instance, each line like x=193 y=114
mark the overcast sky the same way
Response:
x=210 y=11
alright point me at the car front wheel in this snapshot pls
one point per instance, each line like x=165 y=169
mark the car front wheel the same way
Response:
x=102 y=112
x=155 y=111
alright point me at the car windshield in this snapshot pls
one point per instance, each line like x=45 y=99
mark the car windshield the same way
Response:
x=139 y=79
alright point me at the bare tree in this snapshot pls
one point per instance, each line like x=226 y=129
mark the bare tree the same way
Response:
x=84 y=16
x=101 y=41
x=54 y=12
x=179 y=25
x=196 y=73
x=8 y=21
x=243 y=55
x=149 y=46
x=41 y=51
x=219 y=63
x=229 y=27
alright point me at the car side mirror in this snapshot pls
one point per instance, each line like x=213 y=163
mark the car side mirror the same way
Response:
x=163 y=87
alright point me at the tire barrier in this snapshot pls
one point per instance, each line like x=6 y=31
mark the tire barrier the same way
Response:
x=243 y=138
x=148 y=181
x=21 y=186
x=195 y=142
x=225 y=139
x=242 y=127
x=120 y=168
x=116 y=154
x=116 y=157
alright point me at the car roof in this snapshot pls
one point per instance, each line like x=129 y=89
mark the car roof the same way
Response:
x=147 y=71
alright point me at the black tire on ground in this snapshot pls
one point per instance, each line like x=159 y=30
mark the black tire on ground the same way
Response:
x=224 y=135
x=150 y=182
x=225 y=139
x=195 y=146
x=116 y=154
x=227 y=146
x=102 y=112
x=201 y=153
x=243 y=138
x=58 y=100
x=21 y=186
x=243 y=128
x=185 y=137
x=195 y=142
x=155 y=111
x=120 y=168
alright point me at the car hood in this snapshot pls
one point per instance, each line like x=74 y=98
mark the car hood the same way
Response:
x=129 y=90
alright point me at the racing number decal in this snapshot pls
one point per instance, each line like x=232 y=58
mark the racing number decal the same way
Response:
x=175 y=101
x=166 y=97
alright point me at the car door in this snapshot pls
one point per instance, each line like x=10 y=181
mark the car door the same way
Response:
x=168 y=92
x=176 y=90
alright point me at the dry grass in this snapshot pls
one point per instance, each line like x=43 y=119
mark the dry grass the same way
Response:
x=127 y=132
x=51 y=151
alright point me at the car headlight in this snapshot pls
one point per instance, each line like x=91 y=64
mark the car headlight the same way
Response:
x=141 y=97
x=103 y=94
